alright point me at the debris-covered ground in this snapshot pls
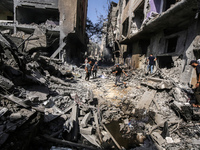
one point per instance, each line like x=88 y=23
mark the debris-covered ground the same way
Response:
x=48 y=105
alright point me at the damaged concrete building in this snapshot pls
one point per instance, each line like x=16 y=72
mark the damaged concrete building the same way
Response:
x=46 y=26
x=168 y=29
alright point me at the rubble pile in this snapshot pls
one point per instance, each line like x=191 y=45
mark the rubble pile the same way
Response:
x=47 y=105
x=156 y=108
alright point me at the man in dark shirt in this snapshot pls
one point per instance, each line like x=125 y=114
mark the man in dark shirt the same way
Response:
x=196 y=66
x=94 y=69
x=88 y=70
x=118 y=72
x=151 y=64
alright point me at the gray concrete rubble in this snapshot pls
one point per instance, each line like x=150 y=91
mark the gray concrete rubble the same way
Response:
x=46 y=100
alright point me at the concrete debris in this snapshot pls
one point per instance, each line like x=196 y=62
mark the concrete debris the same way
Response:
x=52 y=113
x=146 y=100
x=3 y=111
x=53 y=102
x=92 y=139
x=85 y=120
x=158 y=138
x=86 y=131
x=15 y=116
x=5 y=83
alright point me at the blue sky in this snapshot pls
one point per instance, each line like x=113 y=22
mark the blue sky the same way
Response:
x=97 y=5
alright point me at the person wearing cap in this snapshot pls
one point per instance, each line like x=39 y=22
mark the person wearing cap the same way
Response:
x=118 y=72
x=196 y=66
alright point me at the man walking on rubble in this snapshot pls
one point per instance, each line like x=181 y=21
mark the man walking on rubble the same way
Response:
x=196 y=66
x=95 y=67
x=88 y=68
x=118 y=72
x=151 y=64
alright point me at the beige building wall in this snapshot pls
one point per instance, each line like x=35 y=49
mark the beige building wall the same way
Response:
x=66 y=8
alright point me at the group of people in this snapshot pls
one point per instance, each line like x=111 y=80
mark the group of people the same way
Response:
x=89 y=68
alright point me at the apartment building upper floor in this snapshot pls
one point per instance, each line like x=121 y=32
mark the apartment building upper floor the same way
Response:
x=61 y=16
x=136 y=16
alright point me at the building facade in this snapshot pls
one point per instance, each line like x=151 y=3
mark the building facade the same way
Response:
x=58 y=25
x=168 y=29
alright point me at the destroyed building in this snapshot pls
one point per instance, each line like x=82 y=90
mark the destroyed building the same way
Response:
x=167 y=29
x=56 y=27
x=47 y=104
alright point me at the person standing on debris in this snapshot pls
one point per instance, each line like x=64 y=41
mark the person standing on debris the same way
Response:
x=151 y=64
x=196 y=66
x=88 y=70
x=118 y=72
x=95 y=67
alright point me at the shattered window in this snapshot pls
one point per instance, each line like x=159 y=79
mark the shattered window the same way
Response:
x=125 y=27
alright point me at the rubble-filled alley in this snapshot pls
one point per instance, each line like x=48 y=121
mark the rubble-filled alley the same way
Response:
x=46 y=103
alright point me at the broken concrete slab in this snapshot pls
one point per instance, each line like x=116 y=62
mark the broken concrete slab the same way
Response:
x=86 y=131
x=92 y=139
x=15 y=100
x=158 y=138
x=59 y=81
x=39 y=93
x=52 y=113
x=5 y=83
x=146 y=100
x=15 y=116
x=85 y=120
x=3 y=110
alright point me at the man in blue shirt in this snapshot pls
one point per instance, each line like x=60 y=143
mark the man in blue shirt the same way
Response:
x=151 y=64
